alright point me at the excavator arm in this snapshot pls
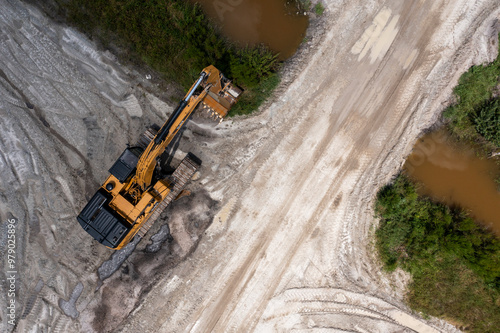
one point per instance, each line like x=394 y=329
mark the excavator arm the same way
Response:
x=147 y=161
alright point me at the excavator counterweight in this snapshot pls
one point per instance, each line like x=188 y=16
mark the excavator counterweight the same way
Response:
x=134 y=194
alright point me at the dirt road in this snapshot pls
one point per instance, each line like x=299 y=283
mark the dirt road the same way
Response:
x=290 y=245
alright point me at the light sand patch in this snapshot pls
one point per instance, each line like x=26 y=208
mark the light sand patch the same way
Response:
x=378 y=37
x=410 y=322
x=159 y=105
x=384 y=42
x=66 y=189
x=171 y=285
x=410 y=59
x=220 y=219
x=371 y=34
x=131 y=104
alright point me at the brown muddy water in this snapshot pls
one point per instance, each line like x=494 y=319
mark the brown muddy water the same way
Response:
x=451 y=173
x=275 y=23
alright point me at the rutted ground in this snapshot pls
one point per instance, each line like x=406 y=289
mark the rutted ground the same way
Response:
x=291 y=189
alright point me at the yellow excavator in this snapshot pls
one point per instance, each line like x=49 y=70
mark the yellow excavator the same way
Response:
x=136 y=191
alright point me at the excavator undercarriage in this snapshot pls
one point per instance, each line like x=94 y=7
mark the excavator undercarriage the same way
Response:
x=137 y=191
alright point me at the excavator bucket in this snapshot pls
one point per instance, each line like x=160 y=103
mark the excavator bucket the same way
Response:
x=221 y=96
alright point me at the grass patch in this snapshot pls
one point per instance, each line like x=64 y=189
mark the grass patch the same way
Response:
x=306 y=5
x=474 y=93
x=454 y=263
x=319 y=9
x=487 y=121
x=175 y=38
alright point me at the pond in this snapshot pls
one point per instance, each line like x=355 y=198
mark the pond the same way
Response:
x=275 y=23
x=451 y=173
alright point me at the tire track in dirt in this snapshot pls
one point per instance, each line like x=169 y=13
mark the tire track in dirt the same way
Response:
x=271 y=231
x=311 y=303
x=44 y=161
x=294 y=255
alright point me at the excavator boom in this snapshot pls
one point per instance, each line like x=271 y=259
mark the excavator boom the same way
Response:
x=166 y=134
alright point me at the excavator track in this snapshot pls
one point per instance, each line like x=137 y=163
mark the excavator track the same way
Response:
x=181 y=176
x=147 y=136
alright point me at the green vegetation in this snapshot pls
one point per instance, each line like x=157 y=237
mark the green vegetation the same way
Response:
x=175 y=38
x=470 y=117
x=252 y=98
x=487 y=121
x=454 y=263
x=319 y=9
x=305 y=5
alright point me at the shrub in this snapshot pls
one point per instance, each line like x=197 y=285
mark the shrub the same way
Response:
x=319 y=9
x=487 y=121
x=474 y=89
x=252 y=65
x=454 y=262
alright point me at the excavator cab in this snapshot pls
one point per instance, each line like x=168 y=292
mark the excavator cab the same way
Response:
x=126 y=163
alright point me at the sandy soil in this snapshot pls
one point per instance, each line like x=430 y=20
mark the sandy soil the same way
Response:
x=278 y=233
